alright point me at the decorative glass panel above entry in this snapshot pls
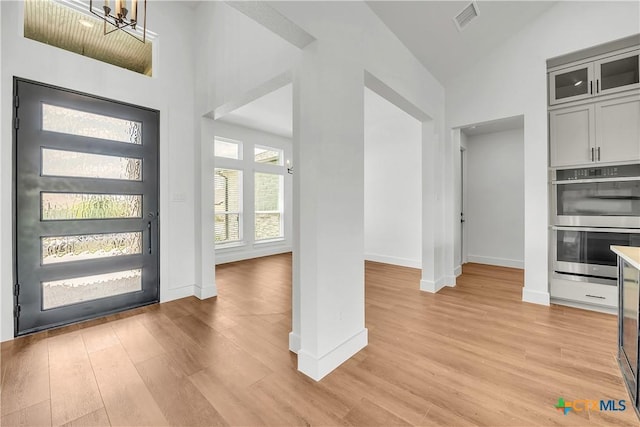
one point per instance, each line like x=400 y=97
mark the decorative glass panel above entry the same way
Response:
x=68 y=25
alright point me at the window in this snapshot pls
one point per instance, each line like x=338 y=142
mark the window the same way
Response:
x=227 y=199
x=267 y=155
x=227 y=148
x=268 y=205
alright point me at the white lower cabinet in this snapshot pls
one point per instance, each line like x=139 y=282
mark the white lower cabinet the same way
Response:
x=583 y=292
x=601 y=132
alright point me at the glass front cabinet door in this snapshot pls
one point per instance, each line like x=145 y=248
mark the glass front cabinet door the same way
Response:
x=571 y=84
x=617 y=73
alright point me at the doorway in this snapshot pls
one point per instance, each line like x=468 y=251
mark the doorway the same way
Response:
x=86 y=206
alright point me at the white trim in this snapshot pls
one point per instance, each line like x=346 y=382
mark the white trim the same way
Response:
x=450 y=281
x=458 y=271
x=501 y=262
x=222 y=258
x=176 y=293
x=318 y=367
x=205 y=292
x=404 y=262
x=591 y=307
x=535 y=297
x=294 y=342
x=230 y=245
x=432 y=286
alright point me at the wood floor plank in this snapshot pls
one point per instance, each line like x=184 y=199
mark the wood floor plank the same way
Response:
x=38 y=415
x=367 y=413
x=74 y=391
x=97 y=418
x=99 y=337
x=127 y=399
x=168 y=385
x=25 y=375
x=229 y=402
x=136 y=339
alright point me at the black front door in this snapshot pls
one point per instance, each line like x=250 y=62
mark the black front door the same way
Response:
x=86 y=206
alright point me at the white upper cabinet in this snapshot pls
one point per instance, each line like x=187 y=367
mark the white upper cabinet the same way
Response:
x=617 y=73
x=603 y=132
x=571 y=136
x=618 y=129
x=571 y=84
x=611 y=74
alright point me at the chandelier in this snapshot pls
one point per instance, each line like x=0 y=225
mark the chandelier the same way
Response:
x=118 y=19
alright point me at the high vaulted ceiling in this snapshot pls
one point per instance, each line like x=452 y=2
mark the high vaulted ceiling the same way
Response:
x=429 y=32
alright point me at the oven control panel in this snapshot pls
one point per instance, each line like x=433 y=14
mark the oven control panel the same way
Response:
x=600 y=172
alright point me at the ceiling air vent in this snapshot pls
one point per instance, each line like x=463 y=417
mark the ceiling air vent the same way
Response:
x=467 y=15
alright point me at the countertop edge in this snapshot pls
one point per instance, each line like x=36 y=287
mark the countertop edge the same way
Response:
x=628 y=253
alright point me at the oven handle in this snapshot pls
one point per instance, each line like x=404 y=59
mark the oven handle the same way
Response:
x=588 y=181
x=597 y=229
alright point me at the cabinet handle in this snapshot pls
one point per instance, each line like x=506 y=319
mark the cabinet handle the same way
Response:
x=597 y=86
x=594 y=296
x=598 y=153
x=591 y=87
x=592 y=156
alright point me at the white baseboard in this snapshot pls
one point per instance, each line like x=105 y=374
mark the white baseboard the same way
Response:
x=318 y=367
x=167 y=295
x=458 y=271
x=404 y=262
x=205 y=292
x=501 y=262
x=450 y=281
x=294 y=342
x=431 y=286
x=243 y=254
x=535 y=297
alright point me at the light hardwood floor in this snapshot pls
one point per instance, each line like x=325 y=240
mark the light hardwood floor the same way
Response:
x=469 y=355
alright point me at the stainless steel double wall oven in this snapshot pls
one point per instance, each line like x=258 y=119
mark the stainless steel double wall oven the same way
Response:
x=593 y=208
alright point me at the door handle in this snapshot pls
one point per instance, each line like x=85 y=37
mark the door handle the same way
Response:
x=149 y=232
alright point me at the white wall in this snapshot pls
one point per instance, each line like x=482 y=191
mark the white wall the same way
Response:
x=495 y=198
x=170 y=90
x=392 y=184
x=511 y=81
x=249 y=138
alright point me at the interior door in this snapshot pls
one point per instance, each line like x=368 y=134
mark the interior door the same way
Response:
x=86 y=206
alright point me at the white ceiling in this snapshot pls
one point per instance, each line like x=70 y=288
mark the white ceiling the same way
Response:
x=272 y=113
x=429 y=32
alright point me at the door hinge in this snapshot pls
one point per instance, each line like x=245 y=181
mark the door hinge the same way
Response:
x=16 y=123
x=17 y=310
x=16 y=289
x=16 y=101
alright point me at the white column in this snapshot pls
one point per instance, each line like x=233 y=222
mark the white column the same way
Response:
x=329 y=176
x=430 y=281
x=204 y=212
